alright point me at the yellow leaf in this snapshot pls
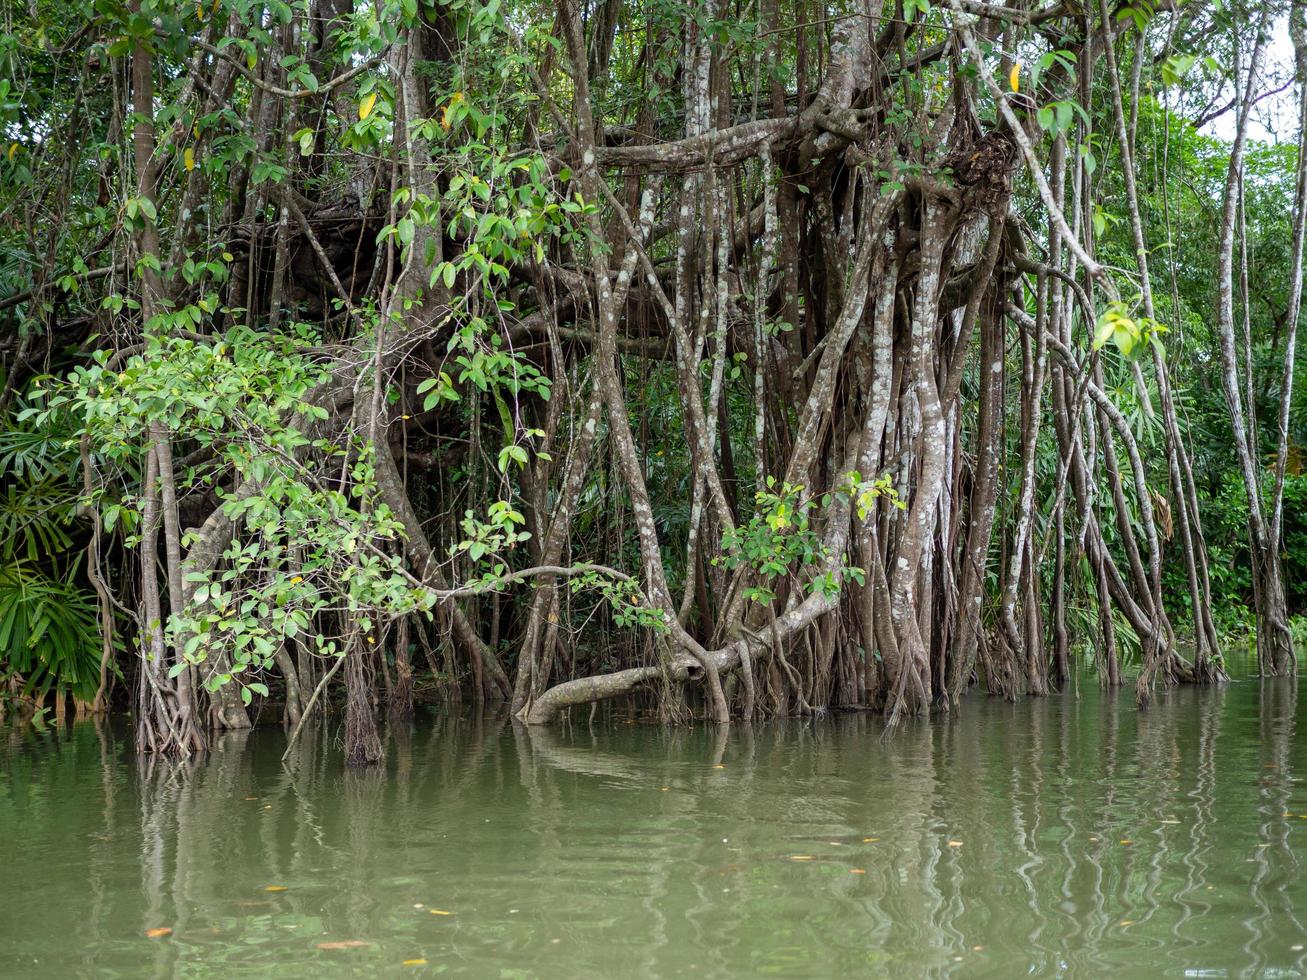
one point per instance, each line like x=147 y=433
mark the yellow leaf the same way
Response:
x=188 y=158
x=365 y=107
x=199 y=11
x=857 y=871
x=800 y=857
x=158 y=933
x=13 y=149
x=414 y=963
x=955 y=843
x=277 y=888
x=1014 y=77
x=870 y=840
x=440 y=912
x=445 y=121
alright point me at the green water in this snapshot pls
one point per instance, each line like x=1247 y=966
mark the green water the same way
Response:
x=631 y=851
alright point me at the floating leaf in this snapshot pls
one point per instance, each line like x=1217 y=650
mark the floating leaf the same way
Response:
x=870 y=840
x=344 y=944
x=857 y=871
x=366 y=106
x=955 y=843
x=159 y=932
x=277 y=888
x=440 y=912
x=1126 y=841
x=417 y=962
x=800 y=857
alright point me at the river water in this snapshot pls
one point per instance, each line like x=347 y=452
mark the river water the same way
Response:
x=1072 y=836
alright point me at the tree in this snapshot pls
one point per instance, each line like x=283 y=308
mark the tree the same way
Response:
x=810 y=356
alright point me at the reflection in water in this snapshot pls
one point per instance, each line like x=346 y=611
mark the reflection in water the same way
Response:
x=1067 y=836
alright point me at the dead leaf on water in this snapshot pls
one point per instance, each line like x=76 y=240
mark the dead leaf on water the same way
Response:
x=870 y=840
x=857 y=871
x=418 y=962
x=440 y=912
x=159 y=932
x=344 y=944
x=955 y=843
x=277 y=888
x=719 y=767
x=1127 y=922
x=800 y=857
x=1126 y=841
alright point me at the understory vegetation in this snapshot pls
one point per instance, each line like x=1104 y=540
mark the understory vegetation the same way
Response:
x=737 y=360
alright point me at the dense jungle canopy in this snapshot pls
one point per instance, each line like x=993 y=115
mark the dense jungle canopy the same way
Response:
x=736 y=359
